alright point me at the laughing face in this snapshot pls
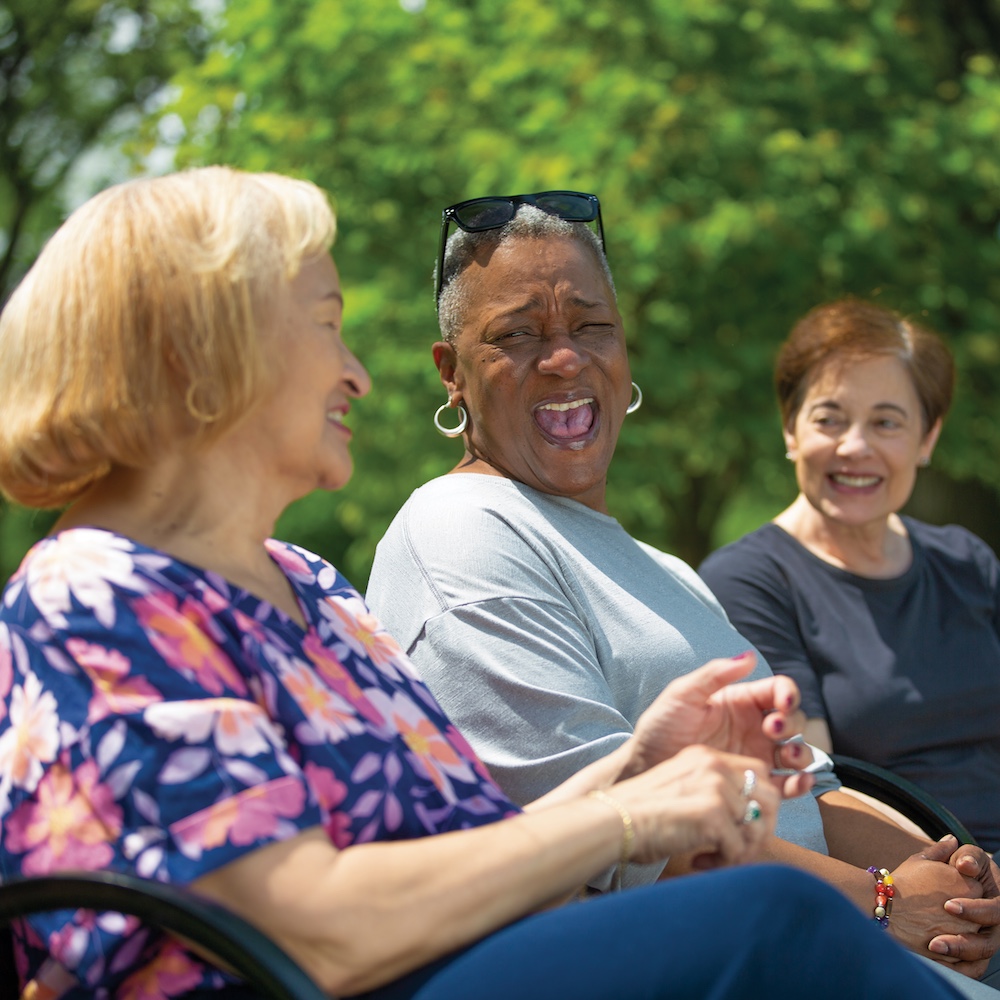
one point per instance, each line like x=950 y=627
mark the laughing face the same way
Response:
x=540 y=365
x=858 y=438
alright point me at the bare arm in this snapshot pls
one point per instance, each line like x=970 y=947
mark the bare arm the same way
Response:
x=366 y=915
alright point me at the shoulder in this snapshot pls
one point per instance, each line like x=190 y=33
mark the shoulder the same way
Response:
x=952 y=544
x=755 y=554
x=88 y=571
x=305 y=569
x=465 y=517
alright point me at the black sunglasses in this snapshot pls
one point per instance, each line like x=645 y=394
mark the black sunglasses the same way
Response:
x=479 y=214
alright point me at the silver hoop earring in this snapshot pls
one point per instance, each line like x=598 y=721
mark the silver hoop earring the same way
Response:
x=451 y=432
x=636 y=399
x=789 y=456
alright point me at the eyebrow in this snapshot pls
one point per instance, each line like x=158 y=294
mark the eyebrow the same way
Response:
x=576 y=300
x=831 y=404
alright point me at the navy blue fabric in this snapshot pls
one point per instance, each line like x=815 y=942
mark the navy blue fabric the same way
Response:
x=905 y=671
x=752 y=932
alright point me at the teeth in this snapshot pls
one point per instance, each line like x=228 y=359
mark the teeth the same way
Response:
x=335 y=416
x=855 y=480
x=561 y=407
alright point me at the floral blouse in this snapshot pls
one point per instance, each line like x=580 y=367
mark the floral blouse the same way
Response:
x=157 y=720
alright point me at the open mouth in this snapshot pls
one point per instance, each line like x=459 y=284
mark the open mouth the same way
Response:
x=571 y=423
x=854 y=482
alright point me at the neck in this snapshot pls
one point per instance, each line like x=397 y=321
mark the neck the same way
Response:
x=196 y=507
x=878 y=549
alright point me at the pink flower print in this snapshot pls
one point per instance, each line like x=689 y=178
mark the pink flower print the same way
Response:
x=251 y=815
x=115 y=692
x=461 y=744
x=171 y=974
x=68 y=945
x=364 y=634
x=249 y=626
x=239 y=728
x=332 y=671
x=428 y=746
x=329 y=714
x=85 y=563
x=329 y=790
x=179 y=635
x=33 y=737
x=293 y=564
x=71 y=824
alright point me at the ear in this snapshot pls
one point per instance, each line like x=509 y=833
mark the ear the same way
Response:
x=447 y=364
x=930 y=440
x=791 y=445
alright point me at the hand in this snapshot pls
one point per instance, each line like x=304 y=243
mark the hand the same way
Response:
x=971 y=953
x=695 y=802
x=927 y=885
x=707 y=707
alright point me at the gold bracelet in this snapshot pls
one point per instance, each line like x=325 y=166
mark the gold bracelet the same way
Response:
x=628 y=833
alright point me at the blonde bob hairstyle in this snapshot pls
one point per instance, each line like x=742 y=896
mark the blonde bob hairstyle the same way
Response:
x=140 y=324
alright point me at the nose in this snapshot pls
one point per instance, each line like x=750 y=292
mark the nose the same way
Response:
x=563 y=356
x=359 y=382
x=853 y=442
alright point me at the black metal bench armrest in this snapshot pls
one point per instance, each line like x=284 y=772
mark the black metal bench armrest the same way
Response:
x=902 y=795
x=236 y=943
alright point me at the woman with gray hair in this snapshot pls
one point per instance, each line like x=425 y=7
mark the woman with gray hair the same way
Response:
x=543 y=627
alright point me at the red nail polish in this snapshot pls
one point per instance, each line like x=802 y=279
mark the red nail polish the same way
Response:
x=743 y=655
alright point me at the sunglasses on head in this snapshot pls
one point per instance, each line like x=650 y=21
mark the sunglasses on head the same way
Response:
x=480 y=214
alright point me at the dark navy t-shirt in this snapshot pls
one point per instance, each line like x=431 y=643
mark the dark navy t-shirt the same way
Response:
x=906 y=671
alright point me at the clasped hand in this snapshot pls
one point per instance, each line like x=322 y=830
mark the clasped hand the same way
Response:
x=967 y=888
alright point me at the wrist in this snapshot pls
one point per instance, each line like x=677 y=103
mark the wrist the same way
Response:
x=884 y=893
x=628 y=832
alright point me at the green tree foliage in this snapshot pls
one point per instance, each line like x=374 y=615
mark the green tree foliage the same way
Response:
x=75 y=76
x=753 y=157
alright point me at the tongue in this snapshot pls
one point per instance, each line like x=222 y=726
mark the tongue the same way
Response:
x=566 y=423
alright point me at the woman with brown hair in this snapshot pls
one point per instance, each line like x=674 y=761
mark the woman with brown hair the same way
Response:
x=890 y=626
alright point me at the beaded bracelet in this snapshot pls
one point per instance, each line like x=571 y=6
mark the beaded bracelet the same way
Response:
x=628 y=833
x=884 y=891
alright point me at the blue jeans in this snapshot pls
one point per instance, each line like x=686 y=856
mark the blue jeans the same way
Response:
x=760 y=931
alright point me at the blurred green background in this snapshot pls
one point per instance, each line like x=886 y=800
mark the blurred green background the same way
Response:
x=753 y=158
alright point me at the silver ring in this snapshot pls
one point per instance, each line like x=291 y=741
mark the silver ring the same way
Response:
x=752 y=813
x=749 y=783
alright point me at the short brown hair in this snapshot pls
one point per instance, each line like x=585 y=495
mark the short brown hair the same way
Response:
x=853 y=328
x=140 y=319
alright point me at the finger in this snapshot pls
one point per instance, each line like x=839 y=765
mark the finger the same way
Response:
x=786 y=695
x=794 y=785
x=984 y=912
x=942 y=850
x=973 y=862
x=792 y=755
x=963 y=947
x=699 y=685
x=779 y=726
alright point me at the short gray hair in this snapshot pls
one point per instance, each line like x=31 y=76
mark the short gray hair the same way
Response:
x=528 y=223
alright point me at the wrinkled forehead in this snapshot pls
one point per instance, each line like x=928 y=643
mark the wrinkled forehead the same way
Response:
x=520 y=261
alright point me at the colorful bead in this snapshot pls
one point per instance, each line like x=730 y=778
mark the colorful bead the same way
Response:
x=884 y=891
